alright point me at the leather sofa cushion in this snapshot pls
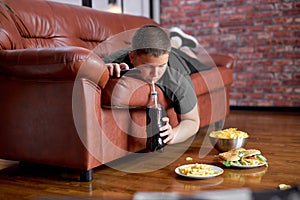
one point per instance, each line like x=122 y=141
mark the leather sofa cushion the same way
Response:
x=52 y=24
x=128 y=91
x=210 y=80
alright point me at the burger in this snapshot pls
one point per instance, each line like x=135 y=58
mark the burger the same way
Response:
x=242 y=157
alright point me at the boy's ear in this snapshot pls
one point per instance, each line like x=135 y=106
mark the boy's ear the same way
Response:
x=131 y=57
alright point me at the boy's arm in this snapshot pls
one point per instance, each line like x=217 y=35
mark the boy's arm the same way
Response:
x=188 y=126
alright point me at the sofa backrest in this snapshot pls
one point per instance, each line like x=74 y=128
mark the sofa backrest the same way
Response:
x=46 y=24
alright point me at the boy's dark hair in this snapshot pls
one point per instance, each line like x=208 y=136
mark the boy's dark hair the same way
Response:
x=150 y=51
x=151 y=40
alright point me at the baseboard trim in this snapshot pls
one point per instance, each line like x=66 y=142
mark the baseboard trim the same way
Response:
x=266 y=109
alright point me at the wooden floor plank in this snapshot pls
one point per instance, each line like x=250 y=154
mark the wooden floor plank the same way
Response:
x=276 y=134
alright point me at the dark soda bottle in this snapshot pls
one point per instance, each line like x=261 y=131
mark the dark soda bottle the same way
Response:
x=155 y=113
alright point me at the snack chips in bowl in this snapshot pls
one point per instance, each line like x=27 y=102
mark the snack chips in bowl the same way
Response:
x=230 y=133
x=227 y=139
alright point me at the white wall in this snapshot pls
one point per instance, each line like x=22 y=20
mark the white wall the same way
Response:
x=74 y=2
x=133 y=7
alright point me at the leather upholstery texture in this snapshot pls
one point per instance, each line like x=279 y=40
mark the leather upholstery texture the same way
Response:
x=58 y=104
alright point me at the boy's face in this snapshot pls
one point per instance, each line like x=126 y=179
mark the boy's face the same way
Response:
x=152 y=68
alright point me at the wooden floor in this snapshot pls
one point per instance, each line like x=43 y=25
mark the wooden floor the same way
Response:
x=156 y=171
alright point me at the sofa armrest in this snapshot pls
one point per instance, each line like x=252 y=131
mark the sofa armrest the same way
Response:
x=54 y=63
x=222 y=60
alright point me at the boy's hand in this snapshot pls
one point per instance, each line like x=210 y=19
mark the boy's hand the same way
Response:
x=115 y=68
x=167 y=130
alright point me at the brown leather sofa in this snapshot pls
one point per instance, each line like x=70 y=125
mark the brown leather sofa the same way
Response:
x=58 y=105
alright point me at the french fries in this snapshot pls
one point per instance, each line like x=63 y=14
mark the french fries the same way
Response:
x=189 y=159
x=230 y=133
x=197 y=170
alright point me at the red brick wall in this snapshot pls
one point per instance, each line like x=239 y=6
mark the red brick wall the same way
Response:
x=263 y=36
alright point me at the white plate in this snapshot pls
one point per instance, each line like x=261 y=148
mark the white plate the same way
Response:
x=214 y=168
x=247 y=166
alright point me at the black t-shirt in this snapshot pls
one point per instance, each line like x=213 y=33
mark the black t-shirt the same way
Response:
x=175 y=82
